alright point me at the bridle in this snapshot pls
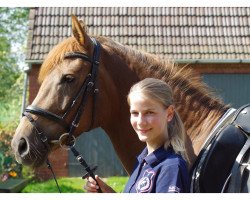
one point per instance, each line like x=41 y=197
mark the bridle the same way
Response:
x=88 y=87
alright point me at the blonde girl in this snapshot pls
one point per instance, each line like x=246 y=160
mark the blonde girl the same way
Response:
x=162 y=165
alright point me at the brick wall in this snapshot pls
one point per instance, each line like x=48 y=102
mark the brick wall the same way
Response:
x=59 y=157
x=58 y=160
x=220 y=68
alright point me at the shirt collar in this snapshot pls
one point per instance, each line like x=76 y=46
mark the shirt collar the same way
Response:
x=155 y=157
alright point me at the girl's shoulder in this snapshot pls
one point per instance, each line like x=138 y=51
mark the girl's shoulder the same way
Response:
x=174 y=160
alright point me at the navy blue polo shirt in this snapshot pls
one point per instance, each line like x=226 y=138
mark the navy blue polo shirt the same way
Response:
x=160 y=172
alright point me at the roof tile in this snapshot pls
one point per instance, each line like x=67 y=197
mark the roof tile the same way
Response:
x=178 y=32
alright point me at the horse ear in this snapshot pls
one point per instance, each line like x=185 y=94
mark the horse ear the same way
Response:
x=78 y=31
x=82 y=24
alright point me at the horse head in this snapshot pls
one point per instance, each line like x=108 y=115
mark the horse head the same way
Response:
x=68 y=78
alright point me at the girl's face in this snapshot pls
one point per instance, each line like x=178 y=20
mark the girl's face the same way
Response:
x=149 y=119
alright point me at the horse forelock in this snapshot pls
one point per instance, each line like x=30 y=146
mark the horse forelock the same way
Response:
x=56 y=55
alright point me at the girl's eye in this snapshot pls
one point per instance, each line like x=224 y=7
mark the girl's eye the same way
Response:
x=133 y=113
x=68 y=78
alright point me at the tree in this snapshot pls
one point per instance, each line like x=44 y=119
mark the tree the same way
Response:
x=13 y=36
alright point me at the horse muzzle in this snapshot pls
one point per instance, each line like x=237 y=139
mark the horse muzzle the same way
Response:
x=28 y=154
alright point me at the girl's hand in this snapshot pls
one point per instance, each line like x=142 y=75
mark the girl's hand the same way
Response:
x=91 y=185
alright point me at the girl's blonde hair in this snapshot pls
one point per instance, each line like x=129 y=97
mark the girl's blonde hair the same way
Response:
x=161 y=92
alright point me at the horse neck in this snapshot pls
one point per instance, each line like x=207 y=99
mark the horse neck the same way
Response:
x=198 y=123
x=115 y=82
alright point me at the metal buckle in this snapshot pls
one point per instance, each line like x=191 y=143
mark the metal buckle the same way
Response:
x=90 y=85
x=66 y=142
x=43 y=138
x=75 y=125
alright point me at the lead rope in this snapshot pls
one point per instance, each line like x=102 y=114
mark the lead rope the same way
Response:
x=53 y=174
x=90 y=172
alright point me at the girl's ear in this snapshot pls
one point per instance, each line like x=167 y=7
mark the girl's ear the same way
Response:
x=170 y=113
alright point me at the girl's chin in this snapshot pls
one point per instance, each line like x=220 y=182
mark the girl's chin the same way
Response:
x=143 y=138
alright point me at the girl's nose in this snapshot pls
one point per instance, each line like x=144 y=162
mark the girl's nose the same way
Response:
x=141 y=120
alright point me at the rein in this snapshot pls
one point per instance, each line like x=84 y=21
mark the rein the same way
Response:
x=67 y=140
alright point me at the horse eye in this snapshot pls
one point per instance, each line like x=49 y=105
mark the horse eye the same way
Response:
x=68 y=78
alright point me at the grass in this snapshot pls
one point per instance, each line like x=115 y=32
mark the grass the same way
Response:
x=117 y=183
x=71 y=185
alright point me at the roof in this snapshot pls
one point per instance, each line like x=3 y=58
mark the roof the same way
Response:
x=180 y=33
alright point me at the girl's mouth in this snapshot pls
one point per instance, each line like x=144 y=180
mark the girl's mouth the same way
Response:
x=143 y=131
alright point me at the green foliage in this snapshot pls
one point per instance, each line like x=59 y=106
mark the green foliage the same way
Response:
x=28 y=172
x=8 y=165
x=13 y=36
x=14 y=22
x=10 y=107
x=71 y=185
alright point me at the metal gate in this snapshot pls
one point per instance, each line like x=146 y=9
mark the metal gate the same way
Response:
x=96 y=149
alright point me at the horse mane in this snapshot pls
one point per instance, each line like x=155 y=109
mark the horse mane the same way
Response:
x=184 y=79
x=56 y=55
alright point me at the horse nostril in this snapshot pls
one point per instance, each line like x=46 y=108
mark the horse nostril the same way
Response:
x=22 y=147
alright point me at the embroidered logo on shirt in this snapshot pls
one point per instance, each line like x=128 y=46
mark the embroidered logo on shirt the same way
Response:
x=173 y=188
x=145 y=183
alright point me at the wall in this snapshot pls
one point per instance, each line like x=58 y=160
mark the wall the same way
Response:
x=220 y=68
x=229 y=81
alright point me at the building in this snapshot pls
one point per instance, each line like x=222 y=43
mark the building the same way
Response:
x=215 y=41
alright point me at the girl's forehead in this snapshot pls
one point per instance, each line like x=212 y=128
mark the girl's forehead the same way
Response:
x=136 y=95
x=141 y=99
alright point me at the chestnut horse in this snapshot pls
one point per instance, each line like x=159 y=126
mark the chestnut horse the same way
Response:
x=119 y=67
